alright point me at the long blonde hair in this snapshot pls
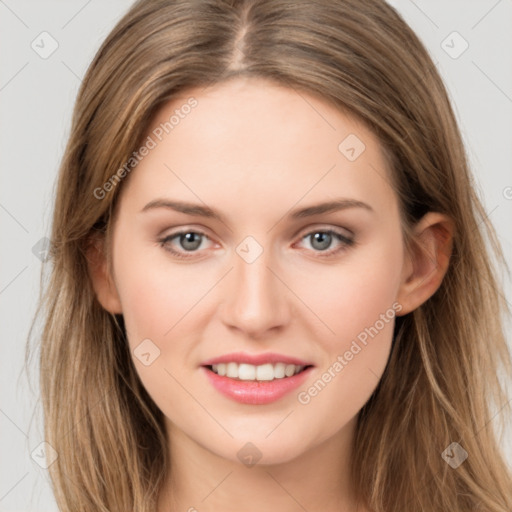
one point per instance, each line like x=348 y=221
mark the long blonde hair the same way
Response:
x=441 y=384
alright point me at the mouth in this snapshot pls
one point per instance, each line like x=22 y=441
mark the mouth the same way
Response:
x=259 y=373
x=256 y=379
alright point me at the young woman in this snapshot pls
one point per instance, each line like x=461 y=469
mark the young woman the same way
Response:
x=271 y=285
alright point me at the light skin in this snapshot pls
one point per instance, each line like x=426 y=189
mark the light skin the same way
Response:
x=254 y=152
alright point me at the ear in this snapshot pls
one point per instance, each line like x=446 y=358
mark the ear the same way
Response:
x=102 y=281
x=427 y=262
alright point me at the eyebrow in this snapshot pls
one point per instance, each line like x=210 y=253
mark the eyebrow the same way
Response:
x=300 y=213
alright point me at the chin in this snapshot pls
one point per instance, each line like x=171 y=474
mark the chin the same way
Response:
x=258 y=450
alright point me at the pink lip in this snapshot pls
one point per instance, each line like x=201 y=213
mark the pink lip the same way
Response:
x=256 y=392
x=255 y=359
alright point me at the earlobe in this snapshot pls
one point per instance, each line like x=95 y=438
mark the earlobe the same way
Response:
x=427 y=262
x=102 y=281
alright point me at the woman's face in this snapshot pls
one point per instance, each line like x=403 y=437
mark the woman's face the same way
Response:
x=268 y=274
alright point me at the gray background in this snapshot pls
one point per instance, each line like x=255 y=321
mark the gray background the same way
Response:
x=36 y=100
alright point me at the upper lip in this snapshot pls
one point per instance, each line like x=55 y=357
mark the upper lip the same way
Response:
x=256 y=359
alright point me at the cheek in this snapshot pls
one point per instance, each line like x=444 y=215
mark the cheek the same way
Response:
x=155 y=294
x=158 y=300
x=351 y=297
x=355 y=359
x=357 y=304
x=342 y=387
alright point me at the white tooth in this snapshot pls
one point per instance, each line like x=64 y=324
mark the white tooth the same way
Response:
x=246 y=371
x=279 y=370
x=289 y=370
x=265 y=372
x=232 y=370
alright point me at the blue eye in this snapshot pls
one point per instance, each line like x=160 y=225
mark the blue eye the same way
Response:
x=187 y=239
x=190 y=241
x=325 y=239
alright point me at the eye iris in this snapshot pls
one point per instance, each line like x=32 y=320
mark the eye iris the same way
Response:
x=188 y=238
x=323 y=238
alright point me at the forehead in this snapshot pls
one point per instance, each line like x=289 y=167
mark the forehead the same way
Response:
x=250 y=140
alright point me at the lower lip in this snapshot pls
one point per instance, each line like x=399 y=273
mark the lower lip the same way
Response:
x=256 y=392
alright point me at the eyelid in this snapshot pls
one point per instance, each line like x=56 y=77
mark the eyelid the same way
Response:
x=325 y=227
x=301 y=233
x=346 y=241
x=165 y=239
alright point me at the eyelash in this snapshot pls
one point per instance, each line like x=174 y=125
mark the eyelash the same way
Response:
x=345 y=241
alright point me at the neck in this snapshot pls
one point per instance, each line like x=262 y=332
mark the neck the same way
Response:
x=202 y=481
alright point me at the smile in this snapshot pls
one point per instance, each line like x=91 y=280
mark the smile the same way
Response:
x=263 y=372
x=256 y=379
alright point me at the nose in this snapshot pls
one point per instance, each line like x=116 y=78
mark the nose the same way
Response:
x=256 y=300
